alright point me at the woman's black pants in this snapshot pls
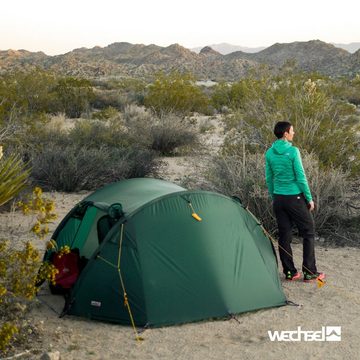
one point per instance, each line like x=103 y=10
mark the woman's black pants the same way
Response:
x=289 y=210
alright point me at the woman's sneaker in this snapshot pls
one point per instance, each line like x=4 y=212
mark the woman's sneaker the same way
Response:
x=308 y=277
x=292 y=276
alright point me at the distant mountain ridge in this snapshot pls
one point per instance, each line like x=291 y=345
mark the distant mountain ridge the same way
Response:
x=313 y=55
x=225 y=48
x=351 y=48
x=124 y=59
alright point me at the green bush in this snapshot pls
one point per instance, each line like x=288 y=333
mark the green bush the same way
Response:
x=24 y=94
x=323 y=123
x=350 y=90
x=227 y=95
x=105 y=114
x=95 y=133
x=19 y=276
x=18 y=272
x=27 y=99
x=175 y=93
x=74 y=96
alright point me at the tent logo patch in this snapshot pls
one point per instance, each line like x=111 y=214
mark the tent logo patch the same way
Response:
x=96 y=303
x=327 y=333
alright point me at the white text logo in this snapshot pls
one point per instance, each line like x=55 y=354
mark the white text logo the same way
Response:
x=327 y=333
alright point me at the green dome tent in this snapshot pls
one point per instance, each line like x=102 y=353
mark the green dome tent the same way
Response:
x=178 y=255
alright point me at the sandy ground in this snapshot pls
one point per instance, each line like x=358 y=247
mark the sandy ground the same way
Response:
x=335 y=304
x=245 y=337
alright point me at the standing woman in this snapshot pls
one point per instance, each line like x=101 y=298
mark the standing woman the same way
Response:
x=292 y=202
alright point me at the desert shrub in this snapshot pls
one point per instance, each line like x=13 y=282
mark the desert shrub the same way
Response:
x=95 y=133
x=322 y=123
x=330 y=188
x=142 y=162
x=220 y=96
x=132 y=89
x=138 y=122
x=58 y=123
x=81 y=133
x=242 y=175
x=19 y=275
x=206 y=125
x=87 y=155
x=170 y=133
x=137 y=116
x=74 y=96
x=166 y=134
x=175 y=93
x=74 y=168
x=118 y=93
x=109 y=98
x=105 y=114
x=227 y=95
x=350 y=90
x=27 y=95
x=29 y=141
x=28 y=99
x=24 y=94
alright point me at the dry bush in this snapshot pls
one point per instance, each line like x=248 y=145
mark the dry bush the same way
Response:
x=74 y=168
x=330 y=188
x=88 y=155
x=167 y=133
x=138 y=122
x=243 y=175
x=97 y=133
x=106 y=98
x=105 y=114
x=170 y=134
x=57 y=122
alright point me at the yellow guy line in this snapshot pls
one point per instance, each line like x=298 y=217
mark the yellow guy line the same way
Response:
x=126 y=301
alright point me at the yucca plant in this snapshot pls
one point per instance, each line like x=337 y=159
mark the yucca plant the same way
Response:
x=14 y=174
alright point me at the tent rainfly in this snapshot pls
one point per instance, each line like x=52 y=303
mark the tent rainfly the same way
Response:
x=173 y=255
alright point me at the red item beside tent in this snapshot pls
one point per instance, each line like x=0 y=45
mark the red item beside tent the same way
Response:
x=68 y=266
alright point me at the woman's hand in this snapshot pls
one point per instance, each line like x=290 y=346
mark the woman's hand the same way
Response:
x=311 y=205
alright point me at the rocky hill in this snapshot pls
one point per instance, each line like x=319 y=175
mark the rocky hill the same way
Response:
x=313 y=55
x=136 y=60
x=20 y=59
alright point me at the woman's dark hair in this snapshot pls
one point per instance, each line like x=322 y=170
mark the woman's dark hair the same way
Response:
x=281 y=127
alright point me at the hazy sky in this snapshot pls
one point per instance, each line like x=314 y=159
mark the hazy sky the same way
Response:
x=56 y=27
